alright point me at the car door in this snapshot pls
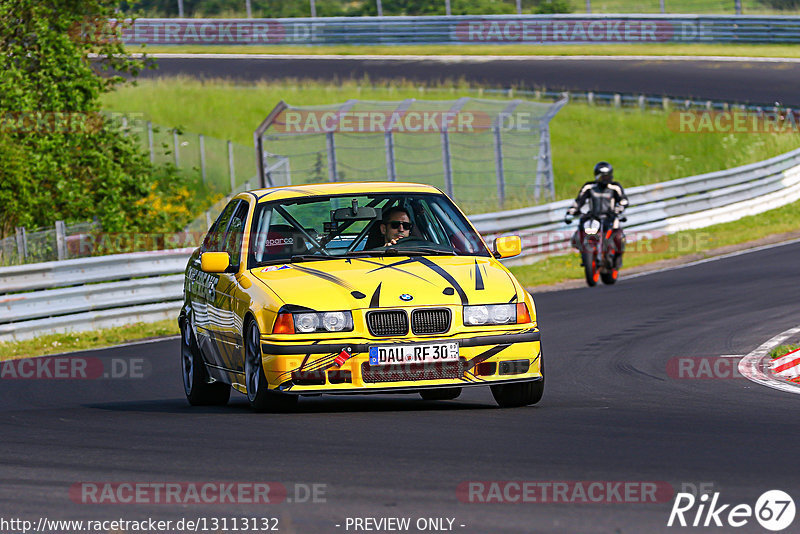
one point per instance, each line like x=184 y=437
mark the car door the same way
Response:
x=205 y=302
x=230 y=298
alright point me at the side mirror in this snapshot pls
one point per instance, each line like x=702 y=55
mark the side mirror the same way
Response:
x=505 y=247
x=214 y=262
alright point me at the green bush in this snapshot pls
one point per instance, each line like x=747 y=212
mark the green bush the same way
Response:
x=60 y=159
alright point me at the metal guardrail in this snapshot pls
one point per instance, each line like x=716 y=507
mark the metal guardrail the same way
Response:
x=468 y=29
x=149 y=286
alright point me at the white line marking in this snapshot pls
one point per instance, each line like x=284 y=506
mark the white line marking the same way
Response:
x=714 y=258
x=753 y=365
x=472 y=59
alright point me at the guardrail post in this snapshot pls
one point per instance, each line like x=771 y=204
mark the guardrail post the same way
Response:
x=665 y=103
x=175 y=147
x=202 y=142
x=313 y=8
x=22 y=242
x=590 y=98
x=642 y=103
x=125 y=126
x=61 y=240
x=709 y=105
x=738 y=6
x=617 y=100
x=150 y=141
x=231 y=170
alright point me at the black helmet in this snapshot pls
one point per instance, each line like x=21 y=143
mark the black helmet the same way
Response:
x=603 y=172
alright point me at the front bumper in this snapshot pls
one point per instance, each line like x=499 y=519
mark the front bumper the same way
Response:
x=484 y=359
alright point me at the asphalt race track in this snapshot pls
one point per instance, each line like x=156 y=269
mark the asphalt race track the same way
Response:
x=611 y=412
x=759 y=82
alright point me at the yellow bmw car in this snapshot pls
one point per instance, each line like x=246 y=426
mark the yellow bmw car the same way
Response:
x=353 y=288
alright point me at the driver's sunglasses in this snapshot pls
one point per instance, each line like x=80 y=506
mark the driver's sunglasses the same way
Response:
x=398 y=224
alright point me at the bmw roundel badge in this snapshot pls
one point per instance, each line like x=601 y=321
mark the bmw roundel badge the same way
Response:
x=406 y=297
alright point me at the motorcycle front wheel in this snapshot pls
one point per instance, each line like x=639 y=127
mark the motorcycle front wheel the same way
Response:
x=590 y=268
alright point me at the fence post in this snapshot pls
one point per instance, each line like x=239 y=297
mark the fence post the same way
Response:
x=150 y=141
x=498 y=166
x=447 y=162
x=61 y=240
x=175 y=147
x=202 y=143
x=231 y=170
x=617 y=100
x=665 y=103
x=590 y=98
x=391 y=169
x=331 y=144
x=22 y=242
x=125 y=126
x=642 y=103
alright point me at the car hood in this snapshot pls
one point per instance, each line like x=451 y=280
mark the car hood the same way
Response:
x=389 y=282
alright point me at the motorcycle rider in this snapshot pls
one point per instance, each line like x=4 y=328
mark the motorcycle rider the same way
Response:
x=606 y=197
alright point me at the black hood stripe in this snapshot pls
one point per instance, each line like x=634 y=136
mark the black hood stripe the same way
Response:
x=375 y=300
x=325 y=276
x=447 y=276
x=393 y=266
x=478 y=277
x=513 y=299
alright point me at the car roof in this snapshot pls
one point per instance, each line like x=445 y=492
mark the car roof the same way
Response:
x=340 y=188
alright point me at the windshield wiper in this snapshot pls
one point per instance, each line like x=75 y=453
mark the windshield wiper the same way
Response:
x=419 y=251
x=309 y=257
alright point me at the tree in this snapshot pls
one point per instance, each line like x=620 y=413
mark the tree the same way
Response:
x=60 y=158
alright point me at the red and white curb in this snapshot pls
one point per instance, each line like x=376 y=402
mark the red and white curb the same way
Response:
x=759 y=367
x=787 y=366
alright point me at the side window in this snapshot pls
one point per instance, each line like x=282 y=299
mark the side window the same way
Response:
x=233 y=241
x=214 y=240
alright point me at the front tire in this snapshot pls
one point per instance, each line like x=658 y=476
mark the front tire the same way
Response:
x=199 y=388
x=610 y=277
x=521 y=393
x=440 y=394
x=258 y=392
x=590 y=268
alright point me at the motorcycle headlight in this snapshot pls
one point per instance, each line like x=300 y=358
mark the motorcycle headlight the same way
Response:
x=337 y=321
x=490 y=314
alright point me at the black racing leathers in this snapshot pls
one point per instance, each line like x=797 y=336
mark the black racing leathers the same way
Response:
x=607 y=200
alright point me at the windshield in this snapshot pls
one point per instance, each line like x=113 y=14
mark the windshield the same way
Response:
x=360 y=225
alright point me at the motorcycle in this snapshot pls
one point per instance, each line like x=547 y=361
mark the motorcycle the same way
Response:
x=600 y=254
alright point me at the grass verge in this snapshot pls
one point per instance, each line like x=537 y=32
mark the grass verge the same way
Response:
x=660 y=49
x=641 y=145
x=76 y=341
x=700 y=242
x=782 y=350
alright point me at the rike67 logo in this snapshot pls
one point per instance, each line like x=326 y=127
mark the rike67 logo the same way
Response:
x=774 y=510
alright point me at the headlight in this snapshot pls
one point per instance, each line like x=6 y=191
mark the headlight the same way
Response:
x=490 y=314
x=338 y=321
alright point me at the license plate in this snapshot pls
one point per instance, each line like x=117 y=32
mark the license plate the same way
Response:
x=418 y=353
